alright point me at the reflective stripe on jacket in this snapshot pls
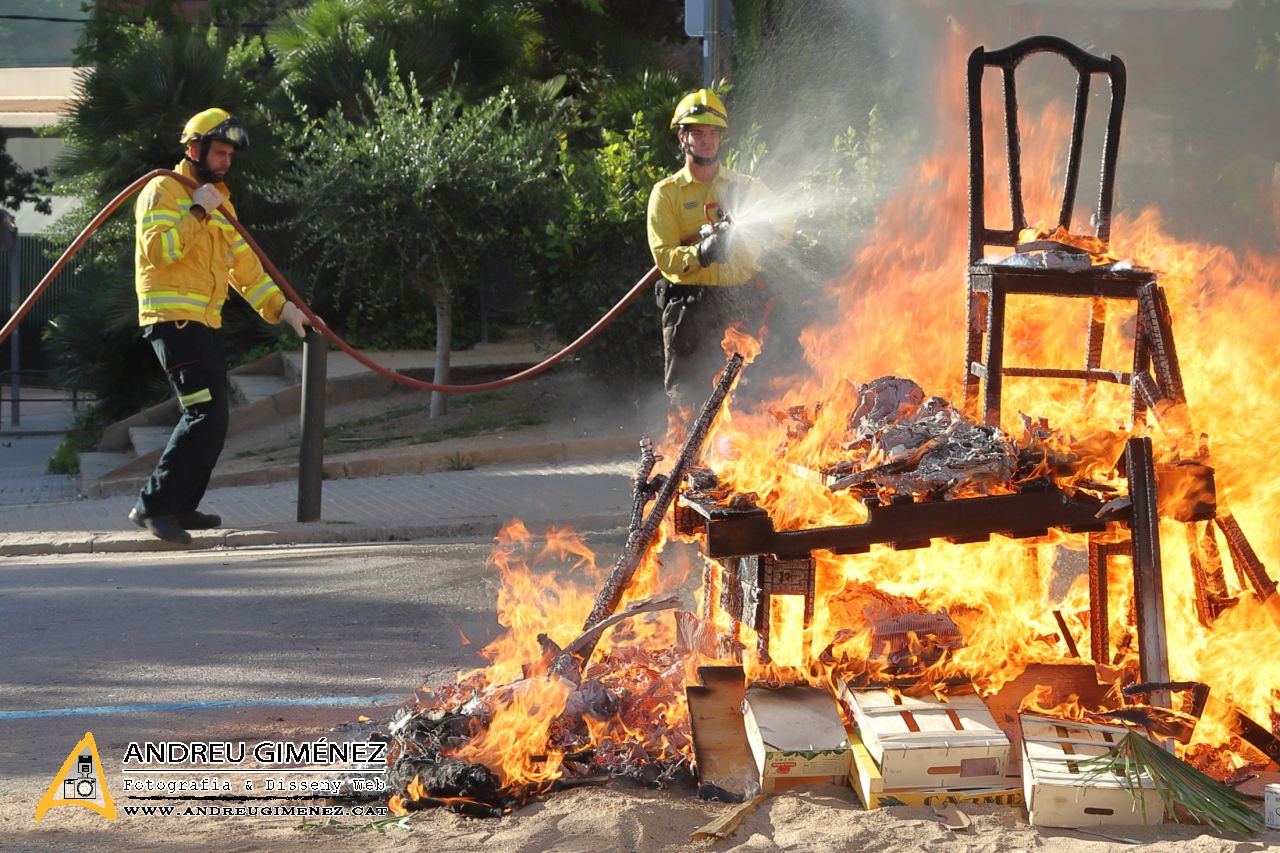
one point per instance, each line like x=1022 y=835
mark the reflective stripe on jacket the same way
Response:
x=184 y=266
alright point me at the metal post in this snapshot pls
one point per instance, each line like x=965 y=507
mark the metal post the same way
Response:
x=311 y=453
x=9 y=242
x=711 y=45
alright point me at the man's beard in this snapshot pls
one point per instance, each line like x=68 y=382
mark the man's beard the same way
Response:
x=207 y=175
x=204 y=173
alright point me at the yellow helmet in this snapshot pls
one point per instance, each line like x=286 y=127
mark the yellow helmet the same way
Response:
x=215 y=123
x=701 y=107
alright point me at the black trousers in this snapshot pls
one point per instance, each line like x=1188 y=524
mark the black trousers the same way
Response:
x=694 y=319
x=193 y=356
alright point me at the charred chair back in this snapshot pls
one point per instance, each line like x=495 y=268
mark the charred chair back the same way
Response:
x=1007 y=60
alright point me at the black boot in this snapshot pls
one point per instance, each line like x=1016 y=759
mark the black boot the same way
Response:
x=161 y=526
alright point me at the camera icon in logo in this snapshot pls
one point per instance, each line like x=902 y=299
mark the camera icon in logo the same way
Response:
x=85 y=787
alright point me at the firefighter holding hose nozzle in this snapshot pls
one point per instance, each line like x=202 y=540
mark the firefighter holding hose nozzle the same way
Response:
x=706 y=233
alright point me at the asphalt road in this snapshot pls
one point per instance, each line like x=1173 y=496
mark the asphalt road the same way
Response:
x=223 y=645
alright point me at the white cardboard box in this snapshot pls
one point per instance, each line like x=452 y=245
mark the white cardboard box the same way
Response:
x=1059 y=792
x=866 y=780
x=796 y=734
x=929 y=744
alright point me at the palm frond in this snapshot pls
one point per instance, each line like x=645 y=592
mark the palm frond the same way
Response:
x=1177 y=783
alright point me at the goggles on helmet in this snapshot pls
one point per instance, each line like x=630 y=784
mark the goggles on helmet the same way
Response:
x=230 y=131
x=699 y=109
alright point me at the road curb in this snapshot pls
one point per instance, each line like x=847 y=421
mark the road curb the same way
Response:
x=414 y=459
x=296 y=533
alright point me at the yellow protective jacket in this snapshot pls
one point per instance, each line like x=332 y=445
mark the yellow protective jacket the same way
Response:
x=678 y=207
x=184 y=266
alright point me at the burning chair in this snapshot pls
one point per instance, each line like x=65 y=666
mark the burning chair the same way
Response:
x=760 y=562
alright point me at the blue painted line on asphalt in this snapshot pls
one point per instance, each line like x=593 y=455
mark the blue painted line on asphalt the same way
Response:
x=104 y=710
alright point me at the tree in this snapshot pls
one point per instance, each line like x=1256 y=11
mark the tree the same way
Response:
x=19 y=186
x=412 y=196
x=596 y=245
x=127 y=115
x=326 y=49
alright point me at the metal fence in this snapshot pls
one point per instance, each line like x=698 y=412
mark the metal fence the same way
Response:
x=36 y=256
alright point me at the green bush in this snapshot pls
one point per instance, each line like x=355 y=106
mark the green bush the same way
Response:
x=597 y=247
x=83 y=437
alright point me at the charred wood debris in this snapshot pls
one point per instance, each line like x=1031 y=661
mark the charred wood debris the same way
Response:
x=628 y=687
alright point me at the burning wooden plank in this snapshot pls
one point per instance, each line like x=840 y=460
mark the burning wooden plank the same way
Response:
x=642 y=536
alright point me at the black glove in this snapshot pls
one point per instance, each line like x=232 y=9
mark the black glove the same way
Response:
x=712 y=247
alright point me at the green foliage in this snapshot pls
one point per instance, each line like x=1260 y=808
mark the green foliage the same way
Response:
x=104 y=40
x=19 y=186
x=128 y=115
x=83 y=437
x=596 y=248
x=404 y=203
x=841 y=196
x=591 y=40
x=804 y=68
x=327 y=49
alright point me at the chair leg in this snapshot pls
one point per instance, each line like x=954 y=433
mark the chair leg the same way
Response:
x=1093 y=349
x=973 y=351
x=995 y=357
x=1141 y=364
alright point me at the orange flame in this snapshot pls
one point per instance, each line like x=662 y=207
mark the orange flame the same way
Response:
x=738 y=339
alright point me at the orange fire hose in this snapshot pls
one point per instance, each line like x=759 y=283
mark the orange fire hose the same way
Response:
x=648 y=279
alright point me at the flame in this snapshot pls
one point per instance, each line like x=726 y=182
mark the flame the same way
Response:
x=738 y=339
x=518 y=733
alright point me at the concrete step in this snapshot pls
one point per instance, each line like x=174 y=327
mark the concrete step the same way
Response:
x=145 y=439
x=94 y=466
x=249 y=388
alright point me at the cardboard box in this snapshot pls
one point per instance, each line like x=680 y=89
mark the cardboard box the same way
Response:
x=1271 y=801
x=725 y=766
x=796 y=737
x=866 y=780
x=1059 y=792
x=926 y=744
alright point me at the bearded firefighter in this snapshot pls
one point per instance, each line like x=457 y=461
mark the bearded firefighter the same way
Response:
x=707 y=228
x=188 y=257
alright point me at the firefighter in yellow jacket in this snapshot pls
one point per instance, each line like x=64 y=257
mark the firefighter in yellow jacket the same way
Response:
x=708 y=226
x=188 y=258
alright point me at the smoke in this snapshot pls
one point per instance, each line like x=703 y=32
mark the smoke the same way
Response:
x=1200 y=137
